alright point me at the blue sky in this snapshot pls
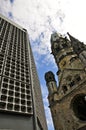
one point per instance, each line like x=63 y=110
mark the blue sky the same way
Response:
x=41 y=18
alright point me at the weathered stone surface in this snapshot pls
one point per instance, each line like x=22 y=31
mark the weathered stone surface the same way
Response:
x=68 y=103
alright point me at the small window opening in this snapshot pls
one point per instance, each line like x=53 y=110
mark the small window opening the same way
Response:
x=64 y=45
x=23 y=108
x=16 y=107
x=64 y=89
x=2 y=105
x=9 y=106
x=78 y=78
x=72 y=84
x=10 y=99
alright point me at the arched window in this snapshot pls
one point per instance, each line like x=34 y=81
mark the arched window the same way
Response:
x=57 y=48
x=78 y=78
x=64 y=88
x=72 y=83
x=79 y=106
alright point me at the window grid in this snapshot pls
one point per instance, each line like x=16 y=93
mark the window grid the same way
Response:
x=14 y=69
x=15 y=96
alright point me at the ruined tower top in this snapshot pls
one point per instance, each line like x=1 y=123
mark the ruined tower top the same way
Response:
x=77 y=45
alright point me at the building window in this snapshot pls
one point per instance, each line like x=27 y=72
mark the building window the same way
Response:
x=64 y=45
x=78 y=78
x=79 y=106
x=57 y=49
x=64 y=89
x=72 y=84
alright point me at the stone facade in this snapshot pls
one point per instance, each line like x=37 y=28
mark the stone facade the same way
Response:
x=68 y=100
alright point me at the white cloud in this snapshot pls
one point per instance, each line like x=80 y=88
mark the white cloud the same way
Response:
x=41 y=18
x=46 y=16
x=75 y=18
x=36 y=16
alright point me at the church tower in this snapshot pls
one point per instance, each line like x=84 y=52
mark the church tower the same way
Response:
x=68 y=100
x=52 y=88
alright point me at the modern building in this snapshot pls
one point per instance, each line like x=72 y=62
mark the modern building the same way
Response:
x=21 y=105
x=68 y=100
